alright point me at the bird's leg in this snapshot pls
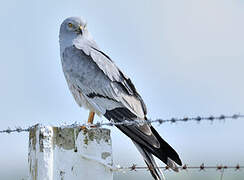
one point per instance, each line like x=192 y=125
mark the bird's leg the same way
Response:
x=90 y=120
x=91 y=117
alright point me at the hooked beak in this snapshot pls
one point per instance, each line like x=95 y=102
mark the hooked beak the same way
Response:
x=79 y=30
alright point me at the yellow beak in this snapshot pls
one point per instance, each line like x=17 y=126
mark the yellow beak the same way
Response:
x=80 y=27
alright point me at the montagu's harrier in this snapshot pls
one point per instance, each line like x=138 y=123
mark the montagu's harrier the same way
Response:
x=98 y=85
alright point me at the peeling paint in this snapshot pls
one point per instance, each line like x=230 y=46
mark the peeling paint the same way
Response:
x=96 y=134
x=66 y=153
x=104 y=155
x=64 y=138
x=41 y=137
x=77 y=131
x=86 y=140
x=62 y=173
x=32 y=137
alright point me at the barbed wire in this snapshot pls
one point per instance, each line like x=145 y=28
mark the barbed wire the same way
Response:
x=135 y=122
x=202 y=167
x=18 y=129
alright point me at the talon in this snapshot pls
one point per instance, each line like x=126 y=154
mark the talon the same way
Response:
x=83 y=127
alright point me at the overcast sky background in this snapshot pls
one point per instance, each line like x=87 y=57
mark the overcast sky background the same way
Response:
x=186 y=57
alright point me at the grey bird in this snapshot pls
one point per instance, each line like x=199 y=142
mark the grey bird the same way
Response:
x=97 y=84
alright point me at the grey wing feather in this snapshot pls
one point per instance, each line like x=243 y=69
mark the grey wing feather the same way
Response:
x=105 y=87
x=119 y=80
x=122 y=79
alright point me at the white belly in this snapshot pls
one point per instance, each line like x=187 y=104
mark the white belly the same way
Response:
x=81 y=99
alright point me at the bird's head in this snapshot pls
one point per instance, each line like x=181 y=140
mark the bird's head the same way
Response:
x=73 y=26
x=73 y=31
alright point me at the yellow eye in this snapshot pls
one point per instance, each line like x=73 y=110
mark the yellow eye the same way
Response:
x=70 y=25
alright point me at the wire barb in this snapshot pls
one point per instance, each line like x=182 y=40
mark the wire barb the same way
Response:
x=18 y=129
x=185 y=167
x=137 y=122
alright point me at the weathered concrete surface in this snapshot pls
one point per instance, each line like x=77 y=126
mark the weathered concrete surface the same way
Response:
x=69 y=154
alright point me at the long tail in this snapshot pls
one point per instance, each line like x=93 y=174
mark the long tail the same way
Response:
x=151 y=163
x=166 y=153
x=147 y=141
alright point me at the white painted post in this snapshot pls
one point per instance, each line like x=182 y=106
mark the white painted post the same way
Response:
x=69 y=154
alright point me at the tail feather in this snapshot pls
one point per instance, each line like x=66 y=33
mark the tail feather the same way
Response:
x=148 y=142
x=165 y=153
x=151 y=163
x=172 y=165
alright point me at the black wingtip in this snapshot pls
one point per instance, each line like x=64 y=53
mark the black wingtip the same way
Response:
x=165 y=151
x=179 y=162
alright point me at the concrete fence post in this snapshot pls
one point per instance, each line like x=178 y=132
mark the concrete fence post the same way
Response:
x=64 y=153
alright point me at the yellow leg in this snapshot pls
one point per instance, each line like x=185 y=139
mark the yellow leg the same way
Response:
x=91 y=117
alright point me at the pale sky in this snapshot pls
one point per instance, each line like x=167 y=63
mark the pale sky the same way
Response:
x=186 y=58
